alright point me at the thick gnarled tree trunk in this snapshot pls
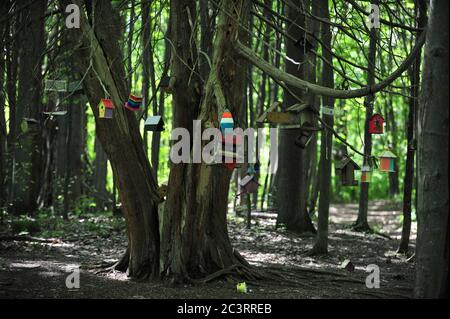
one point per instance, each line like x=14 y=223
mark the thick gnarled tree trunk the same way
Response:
x=195 y=239
x=98 y=56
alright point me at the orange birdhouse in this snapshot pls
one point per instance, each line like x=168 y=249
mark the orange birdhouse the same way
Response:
x=366 y=174
x=387 y=161
x=376 y=124
x=105 y=109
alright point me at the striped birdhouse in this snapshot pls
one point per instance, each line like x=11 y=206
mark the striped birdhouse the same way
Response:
x=387 y=161
x=134 y=103
x=105 y=109
x=226 y=122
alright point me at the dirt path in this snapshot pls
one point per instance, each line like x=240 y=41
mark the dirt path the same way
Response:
x=39 y=270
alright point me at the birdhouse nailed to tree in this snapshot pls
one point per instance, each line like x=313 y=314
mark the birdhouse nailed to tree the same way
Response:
x=346 y=169
x=167 y=83
x=249 y=184
x=366 y=174
x=134 y=102
x=306 y=135
x=291 y=116
x=376 y=124
x=105 y=109
x=226 y=152
x=387 y=161
x=226 y=123
x=154 y=123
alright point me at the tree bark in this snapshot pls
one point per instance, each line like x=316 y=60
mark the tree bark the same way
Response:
x=98 y=55
x=361 y=223
x=421 y=11
x=326 y=143
x=291 y=192
x=27 y=156
x=432 y=153
x=195 y=238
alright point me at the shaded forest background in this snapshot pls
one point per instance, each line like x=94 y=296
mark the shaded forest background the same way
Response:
x=66 y=165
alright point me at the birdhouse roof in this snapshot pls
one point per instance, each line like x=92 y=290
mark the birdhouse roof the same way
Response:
x=247 y=179
x=107 y=103
x=388 y=154
x=154 y=120
x=375 y=116
x=346 y=161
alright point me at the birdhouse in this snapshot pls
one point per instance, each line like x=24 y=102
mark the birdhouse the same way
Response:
x=226 y=122
x=346 y=169
x=290 y=116
x=167 y=83
x=55 y=85
x=348 y=265
x=227 y=153
x=366 y=174
x=154 y=123
x=376 y=124
x=306 y=135
x=387 y=161
x=105 y=109
x=134 y=102
x=249 y=184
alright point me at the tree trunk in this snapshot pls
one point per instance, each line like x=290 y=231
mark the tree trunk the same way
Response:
x=432 y=153
x=120 y=137
x=361 y=223
x=421 y=11
x=195 y=238
x=28 y=156
x=291 y=179
x=326 y=143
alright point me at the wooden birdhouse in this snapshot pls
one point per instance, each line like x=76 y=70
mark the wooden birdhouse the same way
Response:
x=134 y=102
x=346 y=169
x=387 y=161
x=55 y=85
x=290 y=116
x=227 y=152
x=249 y=184
x=306 y=135
x=348 y=265
x=167 y=83
x=154 y=123
x=105 y=109
x=366 y=174
x=226 y=122
x=376 y=124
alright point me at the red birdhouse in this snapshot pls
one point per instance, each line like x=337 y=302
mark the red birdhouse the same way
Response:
x=376 y=124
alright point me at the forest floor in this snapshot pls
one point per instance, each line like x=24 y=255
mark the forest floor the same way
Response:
x=32 y=269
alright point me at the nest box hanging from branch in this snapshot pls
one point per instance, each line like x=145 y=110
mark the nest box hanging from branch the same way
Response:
x=346 y=169
x=290 y=116
x=387 y=161
x=105 y=109
x=154 y=123
x=167 y=83
x=134 y=102
x=226 y=123
x=366 y=174
x=376 y=124
x=248 y=184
